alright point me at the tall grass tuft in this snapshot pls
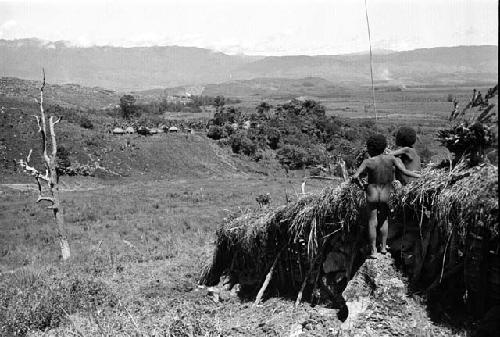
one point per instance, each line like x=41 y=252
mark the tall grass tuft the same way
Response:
x=33 y=300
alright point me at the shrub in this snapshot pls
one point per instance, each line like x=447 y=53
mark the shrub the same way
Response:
x=273 y=136
x=62 y=160
x=465 y=139
x=351 y=134
x=473 y=130
x=292 y=156
x=86 y=123
x=216 y=132
x=228 y=130
x=340 y=147
x=240 y=143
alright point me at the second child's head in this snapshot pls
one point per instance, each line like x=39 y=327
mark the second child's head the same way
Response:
x=406 y=137
x=376 y=145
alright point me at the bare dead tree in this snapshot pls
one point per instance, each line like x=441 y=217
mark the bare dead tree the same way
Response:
x=50 y=177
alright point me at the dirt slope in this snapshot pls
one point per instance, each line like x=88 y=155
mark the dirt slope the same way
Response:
x=379 y=304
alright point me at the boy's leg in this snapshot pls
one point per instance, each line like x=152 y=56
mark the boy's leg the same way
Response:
x=384 y=228
x=372 y=228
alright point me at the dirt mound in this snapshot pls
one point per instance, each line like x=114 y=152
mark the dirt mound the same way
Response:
x=379 y=305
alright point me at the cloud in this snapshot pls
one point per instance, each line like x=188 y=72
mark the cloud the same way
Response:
x=8 y=29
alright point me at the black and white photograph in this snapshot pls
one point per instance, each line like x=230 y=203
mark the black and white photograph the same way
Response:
x=219 y=168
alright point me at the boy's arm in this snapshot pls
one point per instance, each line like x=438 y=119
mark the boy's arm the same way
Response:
x=360 y=170
x=399 y=152
x=400 y=166
x=355 y=178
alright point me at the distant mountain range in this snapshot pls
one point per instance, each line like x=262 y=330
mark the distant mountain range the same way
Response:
x=142 y=68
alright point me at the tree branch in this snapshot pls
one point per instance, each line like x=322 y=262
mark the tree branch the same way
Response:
x=38 y=123
x=53 y=136
x=31 y=170
x=41 y=198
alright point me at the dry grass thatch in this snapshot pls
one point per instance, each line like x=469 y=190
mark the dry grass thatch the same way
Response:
x=455 y=254
x=249 y=244
x=443 y=204
x=460 y=200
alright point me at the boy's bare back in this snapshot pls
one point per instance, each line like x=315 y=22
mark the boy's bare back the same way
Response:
x=380 y=170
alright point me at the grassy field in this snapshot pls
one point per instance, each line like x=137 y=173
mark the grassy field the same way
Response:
x=137 y=251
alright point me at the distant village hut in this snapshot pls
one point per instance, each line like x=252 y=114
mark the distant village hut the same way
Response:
x=155 y=131
x=129 y=130
x=173 y=129
x=118 y=131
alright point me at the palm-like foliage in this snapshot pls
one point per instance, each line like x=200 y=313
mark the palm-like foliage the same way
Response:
x=473 y=129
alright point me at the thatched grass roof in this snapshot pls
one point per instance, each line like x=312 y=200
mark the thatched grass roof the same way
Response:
x=460 y=199
x=443 y=203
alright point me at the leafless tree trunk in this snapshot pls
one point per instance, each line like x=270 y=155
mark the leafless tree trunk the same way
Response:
x=50 y=177
x=343 y=169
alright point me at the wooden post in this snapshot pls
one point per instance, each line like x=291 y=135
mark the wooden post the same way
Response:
x=343 y=169
x=50 y=177
x=267 y=280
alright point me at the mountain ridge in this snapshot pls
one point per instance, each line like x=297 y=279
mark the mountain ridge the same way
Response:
x=142 y=68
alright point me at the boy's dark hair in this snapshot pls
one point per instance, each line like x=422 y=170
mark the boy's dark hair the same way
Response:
x=376 y=144
x=406 y=136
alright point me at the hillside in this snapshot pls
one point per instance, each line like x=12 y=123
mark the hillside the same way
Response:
x=163 y=156
x=67 y=95
x=142 y=68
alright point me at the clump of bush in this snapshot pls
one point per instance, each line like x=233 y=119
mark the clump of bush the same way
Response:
x=86 y=123
x=472 y=131
x=34 y=301
x=240 y=143
x=62 y=161
x=292 y=157
x=299 y=133
x=216 y=132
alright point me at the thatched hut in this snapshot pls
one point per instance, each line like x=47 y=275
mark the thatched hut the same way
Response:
x=444 y=229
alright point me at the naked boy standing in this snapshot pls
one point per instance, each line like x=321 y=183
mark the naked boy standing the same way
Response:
x=380 y=169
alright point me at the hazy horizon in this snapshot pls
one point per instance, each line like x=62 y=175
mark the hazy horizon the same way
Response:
x=258 y=27
x=69 y=44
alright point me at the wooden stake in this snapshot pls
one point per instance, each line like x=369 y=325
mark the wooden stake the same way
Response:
x=304 y=282
x=267 y=280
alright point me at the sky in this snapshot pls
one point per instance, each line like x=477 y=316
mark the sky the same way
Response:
x=255 y=27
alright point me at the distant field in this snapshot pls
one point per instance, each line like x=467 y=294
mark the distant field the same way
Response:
x=420 y=105
x=187 y=115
